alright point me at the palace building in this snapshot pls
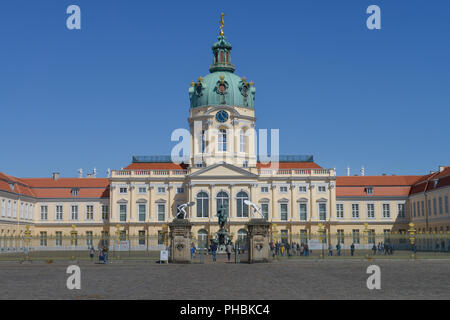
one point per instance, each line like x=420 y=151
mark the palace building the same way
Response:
x=296 y=194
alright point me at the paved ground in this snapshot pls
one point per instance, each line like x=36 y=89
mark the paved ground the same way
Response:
x=287 y=279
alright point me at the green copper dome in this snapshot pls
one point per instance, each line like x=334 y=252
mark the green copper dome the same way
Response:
x=222 y=86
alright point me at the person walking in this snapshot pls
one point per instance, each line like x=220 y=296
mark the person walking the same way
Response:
x=338 y=249
x=214 y=251
x=374 y=249
x=330 y=250
x=352 y=249
x=306 y=250
x=92 y=253
x=105 y=254
x=229 y=249
x=100 y=255
x=193 y=250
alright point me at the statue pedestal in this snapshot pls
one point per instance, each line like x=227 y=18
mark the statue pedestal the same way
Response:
x=258 y=238
x=180 y=241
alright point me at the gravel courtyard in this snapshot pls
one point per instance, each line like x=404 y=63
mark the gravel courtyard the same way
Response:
x=286 y=279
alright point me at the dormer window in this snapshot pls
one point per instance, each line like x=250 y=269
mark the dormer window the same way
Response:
x=369 y=190
x=12 y=185
x=75 y=192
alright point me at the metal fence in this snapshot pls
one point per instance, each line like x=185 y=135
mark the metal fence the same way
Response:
x=148 y=247
x=366 y=244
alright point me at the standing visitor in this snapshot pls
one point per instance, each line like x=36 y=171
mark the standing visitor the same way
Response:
x=352 y=249
x=92 y=253
x=105 y=254
x=374 y=249
x=330 y=250
x=338 y=249
x=214 y=251
x=229 y=248
x=193 y=249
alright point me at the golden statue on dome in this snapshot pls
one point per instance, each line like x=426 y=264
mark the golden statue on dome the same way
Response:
x=222 y=24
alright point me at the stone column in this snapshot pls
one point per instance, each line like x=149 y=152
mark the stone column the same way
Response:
x=180 y=241
x=258 y=238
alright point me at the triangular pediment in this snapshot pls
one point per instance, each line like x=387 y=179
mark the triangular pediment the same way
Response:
x=223 y=170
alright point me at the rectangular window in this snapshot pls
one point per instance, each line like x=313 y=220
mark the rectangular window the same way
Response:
x=371 y=236
x=15 y=209
x=3 y=208
x=142 y=190
x=74 y=238
x=414 y=209
x=322 y=188
x=355 y=233
x=440 y=206
x=370 y=211
x=284 y=211
x=283 y=189
x=89 y=238
x=74 y=213
x=429 y=207
x=386 y=210
x=302 y=189
x=123 y=212
x=58 y=238
x=355 y=211
x=303 y=209
x=105 y=212
x=161 y=212
x=59 y=213
x=340 y=210
x=303 y=236
x=123 y=190
x=123 y=235
x=180 y=190
x=9 y=210
x=322 y=211
x=434 y=206
x=161 y=190
x=222 y=141
x=89 y=212
x=44 y=212
x=265 y=210
x=340 y=236
x=160 y=237
x=446 y=204
x=105 y=238
x=142 y=211
x=369 y=190
x=423 y=209
x=75 y=192
x=43 y=238
x=401 y=210
x=264 y=189
x=142 y=237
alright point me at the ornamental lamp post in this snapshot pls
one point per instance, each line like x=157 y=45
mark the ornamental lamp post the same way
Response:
x=27 y=239
x=321 y=235
x=412 y=238
x=366 y=232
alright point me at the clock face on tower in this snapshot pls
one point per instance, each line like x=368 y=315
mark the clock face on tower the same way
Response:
x=222 y=116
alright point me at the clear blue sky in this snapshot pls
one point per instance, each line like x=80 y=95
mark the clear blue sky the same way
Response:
x=118 y=87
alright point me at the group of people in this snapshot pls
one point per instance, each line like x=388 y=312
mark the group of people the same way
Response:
x=213 y=250
x=289 y=249
x=380 y=248
x=102 y=254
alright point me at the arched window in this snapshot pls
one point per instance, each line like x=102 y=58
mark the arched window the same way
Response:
x=222 y=200
x=221 y=57
x=202 y=205
x=242 y=208
x=222 y=140
x=202 y=239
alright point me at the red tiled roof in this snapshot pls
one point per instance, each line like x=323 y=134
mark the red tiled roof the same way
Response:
x=432 y=181
x=60 y=188
x=66 y=182
x=376 y=180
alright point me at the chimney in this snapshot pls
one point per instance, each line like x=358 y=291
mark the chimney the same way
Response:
x=362 y=171
x=55 y=176
x=348 y=171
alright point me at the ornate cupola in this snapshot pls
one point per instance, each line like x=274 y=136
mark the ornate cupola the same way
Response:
x=222 y=87
x=222 y=52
